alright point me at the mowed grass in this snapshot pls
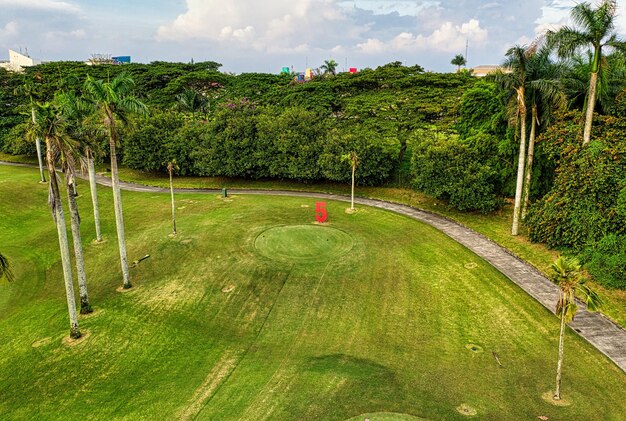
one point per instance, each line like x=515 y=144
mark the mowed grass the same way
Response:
x=397 y=319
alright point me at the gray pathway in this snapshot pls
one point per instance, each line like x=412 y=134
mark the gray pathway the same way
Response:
x=606 y=336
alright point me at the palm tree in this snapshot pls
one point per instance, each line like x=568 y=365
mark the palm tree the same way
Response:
x=458 y=60
x=191 y=101
x=5 y=268
x=74 y=111
x=84 y=130
x=545 y=94
x=171 y=166
x=29 y=89
x=515 y=82
x=113 y=100
x=329 y=67
x=568 y=277
x=595 y=30
x=50 y=124
x=353 y=159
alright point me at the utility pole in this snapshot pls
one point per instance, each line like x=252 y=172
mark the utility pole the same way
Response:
x=466 y=45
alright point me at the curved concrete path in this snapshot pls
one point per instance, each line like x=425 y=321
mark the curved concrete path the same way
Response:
x=605 y=335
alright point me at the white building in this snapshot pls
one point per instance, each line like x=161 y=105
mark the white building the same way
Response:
x=18 y=61
x=485 y=69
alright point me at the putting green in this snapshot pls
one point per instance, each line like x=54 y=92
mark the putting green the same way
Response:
x=303 y=243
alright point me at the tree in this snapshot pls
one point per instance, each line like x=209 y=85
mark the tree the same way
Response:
x=595 y=30
x=83 y=129
x=113 y=101
x=568 y=277
x=545 y=94
x=171 y=166
x=515 y=82
x=29 y=89
x=192 y=101
x=458 y=60
x=353 y=159
x=5 y=268
x=51 y=125
x=329 y=67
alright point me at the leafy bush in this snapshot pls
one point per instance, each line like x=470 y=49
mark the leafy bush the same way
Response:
x=152 y=144
x=377 y=156
x=582 y=207
x=447 y=168
x=606 y=261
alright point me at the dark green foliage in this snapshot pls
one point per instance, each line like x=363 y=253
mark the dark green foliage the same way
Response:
x=583 y=205
x=448 y=168
x=606 y=261
x=377 y=155
x=292 y=142
x=482 y=109
x=153 y=143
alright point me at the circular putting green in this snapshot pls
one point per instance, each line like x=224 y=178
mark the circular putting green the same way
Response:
x=303 y=243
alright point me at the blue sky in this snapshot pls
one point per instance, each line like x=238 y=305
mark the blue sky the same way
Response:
x=263 y=36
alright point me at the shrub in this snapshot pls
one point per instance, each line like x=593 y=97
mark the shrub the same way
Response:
x=447 y=168
x=606 y=261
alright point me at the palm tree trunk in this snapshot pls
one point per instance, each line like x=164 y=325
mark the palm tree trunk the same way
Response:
x=352 y=196
x=173 y=206
x=559 y=366
x=85 y=307
x=529 y=161
x=591 y=103
x=94 y=194
x=520 y=164
x=117 y=203
x=38 y=144
x=59 y=219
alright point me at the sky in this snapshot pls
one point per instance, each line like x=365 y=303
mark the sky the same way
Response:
x=266 y=35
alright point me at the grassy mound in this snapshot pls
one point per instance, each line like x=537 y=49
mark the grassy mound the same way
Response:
x=217 y=330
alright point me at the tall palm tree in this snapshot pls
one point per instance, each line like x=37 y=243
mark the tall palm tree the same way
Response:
x=5 y=268
x=329 y=67
x=84 y=130
x=595 y=31
x=112 y=101
x=515 y=82
x=545 y=93
x=353 y=159
x=458 y=60
x=29 y=89
x=70 y=105
x=50 y=124
x=567 y=275
x=171 y=166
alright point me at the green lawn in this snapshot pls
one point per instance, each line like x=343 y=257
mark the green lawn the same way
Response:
x=225 y=322
x=496 y=226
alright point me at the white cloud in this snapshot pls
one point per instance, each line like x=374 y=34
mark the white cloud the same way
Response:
x=45 y=5
x=447 y=38
x=11 y=29
x=279 y=25
x=63 y=35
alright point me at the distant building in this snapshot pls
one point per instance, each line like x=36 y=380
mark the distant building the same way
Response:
x=18 y=61
x=485 y=69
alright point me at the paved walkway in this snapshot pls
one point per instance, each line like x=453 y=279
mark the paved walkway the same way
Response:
x=606 y=336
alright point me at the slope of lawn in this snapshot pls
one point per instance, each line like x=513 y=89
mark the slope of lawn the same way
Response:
x=496 y=225
x=372 y=313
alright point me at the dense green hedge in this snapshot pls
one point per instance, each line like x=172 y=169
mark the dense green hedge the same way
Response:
x=582 y=207
x=259 y=142
x=448 y=168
